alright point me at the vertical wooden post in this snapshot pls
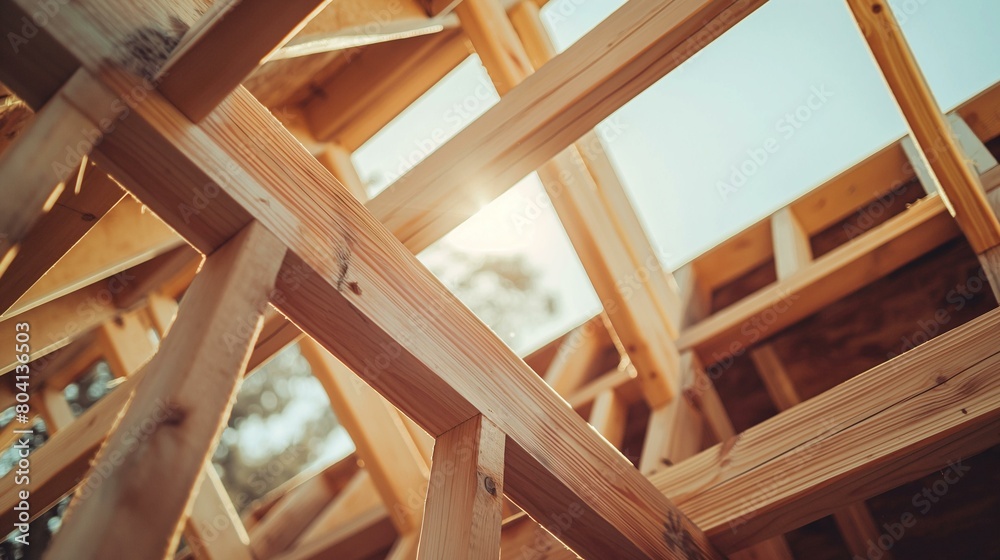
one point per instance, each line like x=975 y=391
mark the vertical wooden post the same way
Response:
x=608 y=416
x=792 y=251
x=462 y=514
x=157 y=451
x=855 y=521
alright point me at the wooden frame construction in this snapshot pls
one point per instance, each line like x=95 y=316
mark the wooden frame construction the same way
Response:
x=183 y=228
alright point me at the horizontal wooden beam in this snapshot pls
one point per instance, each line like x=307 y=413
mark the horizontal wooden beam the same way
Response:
x=859 y=262
x=570 y=95
x=918 y=413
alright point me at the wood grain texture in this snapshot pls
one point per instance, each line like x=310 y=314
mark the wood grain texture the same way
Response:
x=165 y=161
x=623 y=55
x=54 y=234
x=958 y=181
x=186 y=392
x=205 y=67
x=462 y=514
x=897 y=422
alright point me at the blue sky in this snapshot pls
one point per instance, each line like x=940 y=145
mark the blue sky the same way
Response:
x=795 y=79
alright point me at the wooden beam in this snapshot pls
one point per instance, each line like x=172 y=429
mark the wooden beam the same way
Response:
x=205 y=67
x=462 y=514
x=958 y=181
x=356 y=103
x=357 y=497
x=792 y=251
x=772 y=372
x=125 y=237
x=908 y=417
x=56 y=232
x=381 y=440
x=608 y=416
x=187 y=392
x=288 y=520
x=855 y=521
x=35 y=168
x=630 y=50
x=859 y=262
x=576 y=356
x=213 y=529
x=59 y=322
x=126 y=343
x=429 y=377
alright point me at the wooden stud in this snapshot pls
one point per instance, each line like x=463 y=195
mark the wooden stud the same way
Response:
x=34 y=169
x=213 y=529
x=126 y=343
x=959 y=183
x=125 y=237
x=776 y=380
x=187 y=392
x=855 y=521
x=462 y=514
x=892 y=424
x=55 y=233
x=579 y=88
x=608 y=417
x=205 y=68
x=381 y=440
x=792 y=251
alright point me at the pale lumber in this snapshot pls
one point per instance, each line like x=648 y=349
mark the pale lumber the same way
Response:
x=674 y=433
x=61 y=465
x=405 y=547
x=59 y=322
x=33 y=171
x=126 y=236
x=126 y=344
x=205 y=67
x=574 y=359
x=356 y=103
x=187 y=390
x=958 y=181
x=855 y=522
x=495 y=41
x=380 y=438
x=901 y=239
x=608 y=416
x=895 y=423
x=213 y=529
x=357 y=497
x=462 y=514
x=792 y=251
x=430 y=378
x=700 y=390
x=162 y=309
x=53 y=409
x=776 y=380
x=365 y=535
x=624 y=54
x=292 y=515
x=619 y=260
x=56 y=232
